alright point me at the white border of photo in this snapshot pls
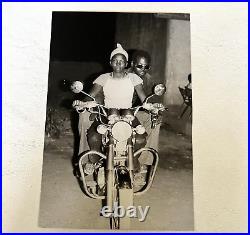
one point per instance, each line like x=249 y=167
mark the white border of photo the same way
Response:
x=219 y=82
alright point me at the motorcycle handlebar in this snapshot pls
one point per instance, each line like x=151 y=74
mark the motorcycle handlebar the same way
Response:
x=82 y=106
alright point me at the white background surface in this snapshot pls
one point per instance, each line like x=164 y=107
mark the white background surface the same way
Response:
x=219 y=74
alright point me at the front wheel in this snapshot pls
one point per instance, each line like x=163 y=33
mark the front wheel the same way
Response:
x=123 y=200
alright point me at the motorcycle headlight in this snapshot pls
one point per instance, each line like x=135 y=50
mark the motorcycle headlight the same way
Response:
x=140 y=129
x=121 y=131
x=102 y=129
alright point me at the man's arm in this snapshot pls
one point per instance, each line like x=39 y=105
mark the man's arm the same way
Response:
x=140 y=92
x=95 y=90
x=87 y=101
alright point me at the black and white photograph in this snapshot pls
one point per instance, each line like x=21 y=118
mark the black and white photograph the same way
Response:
x=124 y=117
x=118 y=132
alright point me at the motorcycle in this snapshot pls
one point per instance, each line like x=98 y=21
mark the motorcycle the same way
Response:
x=113 y=179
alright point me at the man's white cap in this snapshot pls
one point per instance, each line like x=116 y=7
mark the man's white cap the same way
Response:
x=119 y=50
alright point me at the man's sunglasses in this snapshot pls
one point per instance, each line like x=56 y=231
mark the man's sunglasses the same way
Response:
x=139 y=66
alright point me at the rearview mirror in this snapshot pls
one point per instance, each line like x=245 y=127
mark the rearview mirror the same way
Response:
x=159 y=89
x=76 y=86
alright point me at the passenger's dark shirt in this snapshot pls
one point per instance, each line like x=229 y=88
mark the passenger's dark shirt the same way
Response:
x=147 y=87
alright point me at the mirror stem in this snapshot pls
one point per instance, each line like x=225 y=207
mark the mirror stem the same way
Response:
x=149 y=98
x=88 y=95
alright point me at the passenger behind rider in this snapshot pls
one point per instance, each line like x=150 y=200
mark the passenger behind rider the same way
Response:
x=140 y=65
x=118 y=88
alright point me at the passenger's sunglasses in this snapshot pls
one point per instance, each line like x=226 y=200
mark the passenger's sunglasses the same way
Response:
x=139 y=66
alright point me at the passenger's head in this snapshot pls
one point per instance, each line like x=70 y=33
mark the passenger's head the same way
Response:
x=118 y=59
x=140 y=62
x=190 y=78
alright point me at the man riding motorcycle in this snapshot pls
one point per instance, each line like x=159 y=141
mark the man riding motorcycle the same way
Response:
x=118 y=88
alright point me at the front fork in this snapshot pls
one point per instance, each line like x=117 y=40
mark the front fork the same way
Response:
x=130 y=160
x=110 y=177
x=110 y=174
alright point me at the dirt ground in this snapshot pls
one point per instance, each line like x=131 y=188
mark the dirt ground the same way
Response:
x=63 y=205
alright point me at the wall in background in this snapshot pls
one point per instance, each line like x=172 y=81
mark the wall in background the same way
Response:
x=178 y=59
x=146 y=32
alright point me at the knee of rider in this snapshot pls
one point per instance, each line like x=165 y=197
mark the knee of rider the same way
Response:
x=141 y=139
x=84 y=122
x=93 y=137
